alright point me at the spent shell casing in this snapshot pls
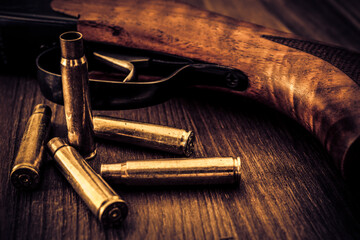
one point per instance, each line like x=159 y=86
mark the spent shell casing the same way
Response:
x=75 y=84
x=169 y=139
x=101 y=199
x=25 y=173
x=183 y=171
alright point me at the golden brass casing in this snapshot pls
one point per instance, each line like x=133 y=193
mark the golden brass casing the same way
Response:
x=25 y=172
x=153 y=136
x=183 y=171
x=75 y=84
x=101 y=199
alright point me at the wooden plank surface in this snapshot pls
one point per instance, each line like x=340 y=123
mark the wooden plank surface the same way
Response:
x=289 y=188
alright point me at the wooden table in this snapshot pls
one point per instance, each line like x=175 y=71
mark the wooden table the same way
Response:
x=289 y=187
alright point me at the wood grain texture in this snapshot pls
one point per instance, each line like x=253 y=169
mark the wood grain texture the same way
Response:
x=313 y=92
x=245 y=10
x=288 y=191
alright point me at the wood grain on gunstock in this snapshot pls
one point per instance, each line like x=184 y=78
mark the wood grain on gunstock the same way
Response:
x=313 y=92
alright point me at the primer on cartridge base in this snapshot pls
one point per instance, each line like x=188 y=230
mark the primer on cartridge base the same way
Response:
x=183 y=171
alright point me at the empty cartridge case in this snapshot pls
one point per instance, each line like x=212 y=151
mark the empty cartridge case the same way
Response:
x=75 y=84
x=183 y=171
x=108 y=207
x=153 y=136
x=25 y=173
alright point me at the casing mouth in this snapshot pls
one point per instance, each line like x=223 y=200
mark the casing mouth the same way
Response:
x=55 y=144
x=71 y=44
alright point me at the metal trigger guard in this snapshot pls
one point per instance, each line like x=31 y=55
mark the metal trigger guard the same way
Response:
x=173 y=74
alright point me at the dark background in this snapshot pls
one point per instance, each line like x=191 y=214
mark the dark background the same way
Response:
x=289 y=188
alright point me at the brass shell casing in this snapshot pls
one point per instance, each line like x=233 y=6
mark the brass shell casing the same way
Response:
x=169 y=139
x=75 y=84
x=101 y=199
x=183 y=171
x=25 y=173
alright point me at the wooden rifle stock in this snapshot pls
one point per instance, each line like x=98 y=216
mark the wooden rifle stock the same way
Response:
x=323 y=99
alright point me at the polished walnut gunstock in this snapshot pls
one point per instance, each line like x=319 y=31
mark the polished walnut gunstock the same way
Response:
x=319 y=96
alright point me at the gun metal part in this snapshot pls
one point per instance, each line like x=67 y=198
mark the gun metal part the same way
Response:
x=101 y=199
x=25 y=172
x=169 y=139
x=152 y=77
x=74 y=75
x=183 y=171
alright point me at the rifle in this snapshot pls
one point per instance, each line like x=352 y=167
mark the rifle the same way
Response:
x=283 y=71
